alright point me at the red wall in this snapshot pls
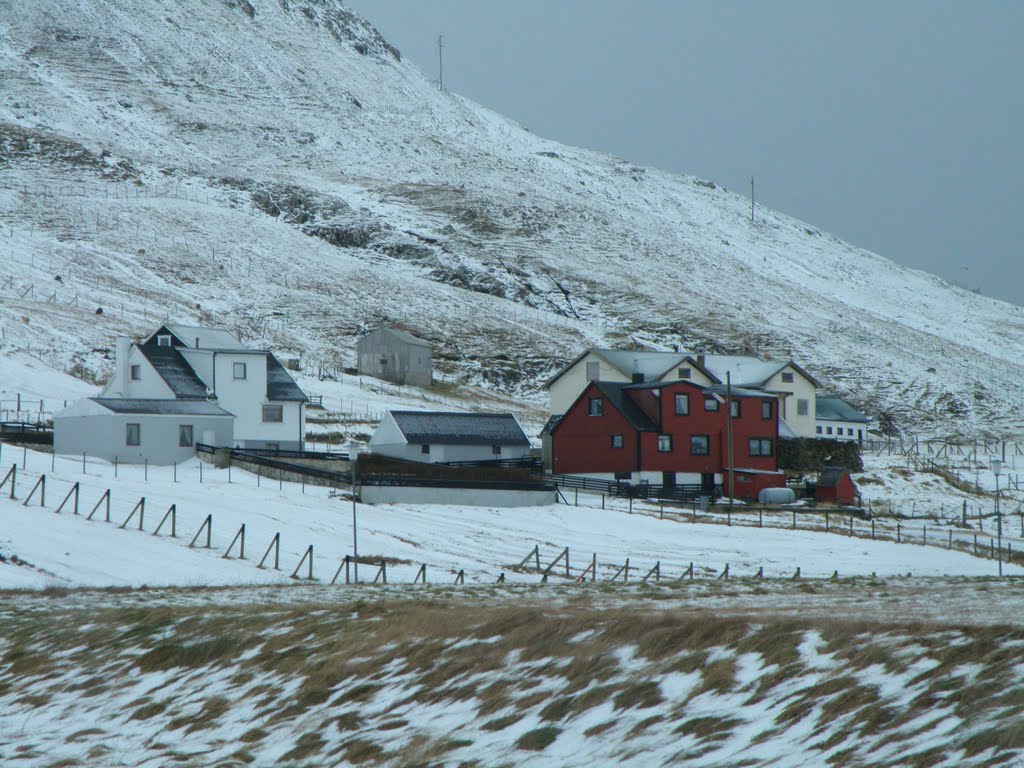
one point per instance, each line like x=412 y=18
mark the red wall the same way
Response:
x=582 y=443
x=844 y=491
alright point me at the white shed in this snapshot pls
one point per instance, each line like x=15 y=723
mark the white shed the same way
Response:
x=136 y=430
x=435 y=437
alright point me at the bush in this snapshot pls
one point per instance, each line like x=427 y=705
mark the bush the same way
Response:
x=809 y=454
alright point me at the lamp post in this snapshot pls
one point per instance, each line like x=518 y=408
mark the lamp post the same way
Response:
x=353 y=457
x=997 y=468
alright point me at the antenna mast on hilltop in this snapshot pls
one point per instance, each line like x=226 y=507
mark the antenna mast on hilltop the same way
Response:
x=440 y=61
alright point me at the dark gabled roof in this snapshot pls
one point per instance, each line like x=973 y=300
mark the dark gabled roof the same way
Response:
x=832 y=408
x=551 y=423
x=615 y=393
x=161 y=407
x=830 y=477
x=175 y=370
x=460 y=428
x=280 y=385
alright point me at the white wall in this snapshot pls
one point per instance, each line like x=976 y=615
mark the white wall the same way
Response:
x=563 y=393
x=840 y=428
x=466 y=497
x=150 y=385
x=799 y=388
x=103 y=436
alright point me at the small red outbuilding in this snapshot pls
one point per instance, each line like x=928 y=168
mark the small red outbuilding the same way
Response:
x=835 y=485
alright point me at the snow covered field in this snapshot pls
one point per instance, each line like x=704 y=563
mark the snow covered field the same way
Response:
x=62 y=549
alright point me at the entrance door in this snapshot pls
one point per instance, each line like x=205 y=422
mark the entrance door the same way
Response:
x=668 y=480
x=707 y=483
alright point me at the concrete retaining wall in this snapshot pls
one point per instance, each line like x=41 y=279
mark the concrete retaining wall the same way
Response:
x=469 y=497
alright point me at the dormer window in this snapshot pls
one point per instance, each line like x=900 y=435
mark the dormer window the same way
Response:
x=787 y=378
x=163 y=340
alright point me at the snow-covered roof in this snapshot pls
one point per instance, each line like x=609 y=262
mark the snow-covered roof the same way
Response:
x=161 y=407
x=460 y=428
x=653 y=365
x=199 y=336
x=750 y=371
x=833 y=408
x=405 y=336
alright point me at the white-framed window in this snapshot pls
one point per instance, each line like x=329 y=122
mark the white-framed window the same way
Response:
x=685 y=373
x=593 y=371
x=132 y=434
x=710 y=403
x=616 y=441
x=185 y=436
x=760 y=446
x=238 y=370
x=135 y=372
x=163 y=340
x=734 y=408
x=273 y=413
x=595 y=407
x=664 y=443
x=700 y=445
x=766 y=409
x=787 y=378
x=803 y=406
x=682 y=405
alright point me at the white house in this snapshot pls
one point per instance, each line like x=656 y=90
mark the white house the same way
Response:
x=435 y=437
x=183 y=368
x=622 y=365
x=838 y=420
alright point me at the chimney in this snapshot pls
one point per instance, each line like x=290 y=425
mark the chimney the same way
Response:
x=638 y=378
x=124 y=345
x=700 y=360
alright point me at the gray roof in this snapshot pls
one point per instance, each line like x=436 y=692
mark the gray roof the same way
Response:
x=280 y=385
x=460 y=428
x=722 y=389
x=830 y=476
x=209 y=338
x=175 y=370
x=161 y=407
x=405 y=336
x=832 y=408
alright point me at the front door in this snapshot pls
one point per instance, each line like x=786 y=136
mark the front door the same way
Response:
x=707 y=483
x=668 y=480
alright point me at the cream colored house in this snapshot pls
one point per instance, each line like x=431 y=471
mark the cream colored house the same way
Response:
x=795 y=387
x=622 y=365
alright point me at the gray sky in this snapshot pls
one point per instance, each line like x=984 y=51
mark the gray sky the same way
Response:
x=895 y=125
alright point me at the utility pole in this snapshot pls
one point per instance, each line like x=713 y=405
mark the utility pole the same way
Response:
x=440 y=61
x=751 y=199
x=728 y=438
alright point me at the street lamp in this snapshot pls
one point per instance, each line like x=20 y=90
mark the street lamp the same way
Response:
x=353 y=457
x=997 y=468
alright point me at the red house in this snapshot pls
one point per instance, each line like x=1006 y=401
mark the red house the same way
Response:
x=667 y=433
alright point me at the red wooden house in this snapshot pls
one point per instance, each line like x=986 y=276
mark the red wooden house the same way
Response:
x=835 y=485
x=667 y=433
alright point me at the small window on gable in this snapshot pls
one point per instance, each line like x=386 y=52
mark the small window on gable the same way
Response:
x=593 y=371
x=787 y=377
x=425 y=448
x=163 y=340
x=596 y=406
x=132 y=434
x=684 y=373
x=135 y=371
x=766 y=409
x=616 y=441
x=682 y=405
x=238 y=370
x=710 y=404
x=734 y=408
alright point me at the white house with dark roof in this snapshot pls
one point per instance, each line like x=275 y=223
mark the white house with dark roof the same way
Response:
x=199 y=376
x=838 y=420
x=435 y=437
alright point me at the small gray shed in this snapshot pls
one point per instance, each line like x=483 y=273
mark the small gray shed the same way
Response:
x=394 y=355
x=136 y=430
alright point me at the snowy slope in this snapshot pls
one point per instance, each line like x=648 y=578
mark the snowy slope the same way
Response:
x=278 y=168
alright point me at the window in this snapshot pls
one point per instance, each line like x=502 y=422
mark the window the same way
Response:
x=710 y=403
x=596 y=406
x=616 y=441
x=682 y=405
x=766 y=409
x=802 y=406
x=787 y=378
x=496 y=450
x=135 y=371
x=684 y=373
x=163 y=341
x=700 y=445
x=828 y=430
x=623 y=475
x=664 y=443
x=184 y=435
x=383 y=361
x=819 y=430
x=760 y=446
x=849 y=431
x=593 y=371
x=238 y=370
x=132 y=434
x=273 y=413
x=425 y=448
x=734 y=408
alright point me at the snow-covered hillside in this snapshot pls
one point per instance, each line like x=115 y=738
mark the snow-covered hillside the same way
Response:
x=276 y=167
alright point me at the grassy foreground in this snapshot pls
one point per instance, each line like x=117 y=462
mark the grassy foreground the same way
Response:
x=441 y=677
